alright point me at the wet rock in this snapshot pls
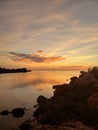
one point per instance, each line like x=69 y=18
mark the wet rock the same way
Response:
x=4 y=112
x=18 y=112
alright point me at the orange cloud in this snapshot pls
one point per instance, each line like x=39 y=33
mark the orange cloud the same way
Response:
x=35 y=57
x=40 y=51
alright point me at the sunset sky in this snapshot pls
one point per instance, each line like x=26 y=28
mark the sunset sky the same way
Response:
x=45 y=34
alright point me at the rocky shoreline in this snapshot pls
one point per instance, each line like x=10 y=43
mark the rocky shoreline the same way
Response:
x=73 y=102
x=34 y=125
x=73 y=106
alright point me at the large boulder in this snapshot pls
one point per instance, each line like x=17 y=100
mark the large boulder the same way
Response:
x=18 y=112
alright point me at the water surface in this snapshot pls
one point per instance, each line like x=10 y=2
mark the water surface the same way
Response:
x=22 y=90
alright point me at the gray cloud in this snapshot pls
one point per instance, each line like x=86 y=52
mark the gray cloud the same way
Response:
x=36 y=57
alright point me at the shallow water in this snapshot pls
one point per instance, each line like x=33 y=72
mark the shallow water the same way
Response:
x=22 y=90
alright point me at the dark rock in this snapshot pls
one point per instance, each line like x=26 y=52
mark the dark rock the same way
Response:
x=35 y=106
x=55 y=86
x=4 y=112
x=41 y=100
x=34 y=125
x=96 y=127
x=95 y=72
x=18 y=112
x=26 y=125
x=77 y=100
x=73 y=78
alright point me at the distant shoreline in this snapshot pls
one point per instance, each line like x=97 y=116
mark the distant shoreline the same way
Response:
x=19 y=70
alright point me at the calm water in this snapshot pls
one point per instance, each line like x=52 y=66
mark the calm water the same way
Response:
x=22 y=90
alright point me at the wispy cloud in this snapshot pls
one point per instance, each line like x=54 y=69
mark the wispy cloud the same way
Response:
x=68 y=28
x=35 y=57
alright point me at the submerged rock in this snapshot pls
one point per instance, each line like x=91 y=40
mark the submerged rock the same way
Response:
x=18 y=112
x=4 y=112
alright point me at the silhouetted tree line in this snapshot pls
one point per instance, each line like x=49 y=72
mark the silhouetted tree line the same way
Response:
x=4 y=70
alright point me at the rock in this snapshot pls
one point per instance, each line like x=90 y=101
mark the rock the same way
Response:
x=4 y=112
x=83 y=72
x=18 y=112
x=26 y=126
x=93 y=104
x=96 y=127
x=15 y=129
x=35 y=106
x=41 y=100
x=75 y=101
x=74 y=126
x=93 y=101
x=33 y=125
x=73 y=78
x=95 y=72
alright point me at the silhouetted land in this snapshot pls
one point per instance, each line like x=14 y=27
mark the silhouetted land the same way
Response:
x=19 y=70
